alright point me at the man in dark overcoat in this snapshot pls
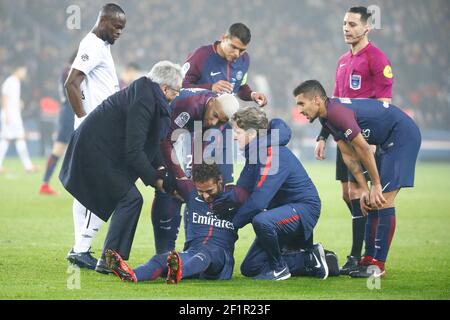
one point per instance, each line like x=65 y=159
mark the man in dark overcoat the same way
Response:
x=117 y=144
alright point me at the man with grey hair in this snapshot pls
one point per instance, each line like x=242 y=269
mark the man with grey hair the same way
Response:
x=118 y=143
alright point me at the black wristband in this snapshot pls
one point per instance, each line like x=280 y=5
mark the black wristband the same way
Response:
x=321 y=138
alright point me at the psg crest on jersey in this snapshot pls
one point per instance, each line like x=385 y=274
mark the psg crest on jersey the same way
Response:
x=355 y=82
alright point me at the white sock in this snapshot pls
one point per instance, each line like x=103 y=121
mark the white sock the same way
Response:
x=79 y=215
x=89 y=230
x=4 y=144
x=22 y=150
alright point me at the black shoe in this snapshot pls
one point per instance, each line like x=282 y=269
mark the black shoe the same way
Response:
x=367 y=272
x=352 y=264
x=82 y=259
x=102 y=267
x=332 y=262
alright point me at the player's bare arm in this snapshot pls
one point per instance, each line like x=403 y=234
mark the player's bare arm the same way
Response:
x=353 y=164
x=72 y=86
x=365 y=155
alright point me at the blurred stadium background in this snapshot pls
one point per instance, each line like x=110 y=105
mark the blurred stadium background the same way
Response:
x=291 y=41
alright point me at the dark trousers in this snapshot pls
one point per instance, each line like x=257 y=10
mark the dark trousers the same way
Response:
x=278 y=230
x=123 y=224
x=166 y=220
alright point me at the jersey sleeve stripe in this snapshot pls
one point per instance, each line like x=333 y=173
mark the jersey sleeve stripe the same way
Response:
x=266 y=168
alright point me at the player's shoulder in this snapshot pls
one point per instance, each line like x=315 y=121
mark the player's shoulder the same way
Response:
x=344 y=56
x=10 y=83
x=193 y=95
x=245 y=57
x=89 y=38
x=9 y=80
x=338 y=105
x=141 y=84
x=373 y=50
x=201 y=52
x=191 y=196
x=91 y=42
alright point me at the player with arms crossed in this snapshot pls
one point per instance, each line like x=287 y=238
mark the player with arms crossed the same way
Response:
x=354 y=124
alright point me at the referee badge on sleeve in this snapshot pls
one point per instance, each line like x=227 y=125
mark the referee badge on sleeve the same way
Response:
x=355 y=81
x=387 y=72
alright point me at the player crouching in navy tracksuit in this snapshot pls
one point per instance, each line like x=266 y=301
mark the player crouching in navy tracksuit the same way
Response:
x=209 y=246
x=284 y=205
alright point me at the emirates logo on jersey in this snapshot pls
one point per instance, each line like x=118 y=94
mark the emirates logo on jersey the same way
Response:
x=85 y=57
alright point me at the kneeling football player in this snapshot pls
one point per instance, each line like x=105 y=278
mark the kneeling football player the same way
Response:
x=283 y=206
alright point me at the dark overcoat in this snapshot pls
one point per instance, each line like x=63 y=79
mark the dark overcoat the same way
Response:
x=115 y=145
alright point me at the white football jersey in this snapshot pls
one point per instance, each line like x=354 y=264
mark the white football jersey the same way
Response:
x=94 y=59
x=11 y=89
x=14 y=128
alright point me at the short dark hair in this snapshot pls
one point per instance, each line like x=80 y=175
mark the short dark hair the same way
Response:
x=363 y=11
x=111 y=9
x=204 y=172
x=240 y=31
x=309 y=88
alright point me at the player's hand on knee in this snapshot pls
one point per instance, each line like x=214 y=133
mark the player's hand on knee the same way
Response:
x=365 y=203
x=377 y=199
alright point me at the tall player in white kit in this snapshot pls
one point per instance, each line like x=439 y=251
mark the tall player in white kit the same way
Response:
x=11 y=119
x=91 y=80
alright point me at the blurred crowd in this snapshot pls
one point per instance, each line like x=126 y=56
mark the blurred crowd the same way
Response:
x=292 y=41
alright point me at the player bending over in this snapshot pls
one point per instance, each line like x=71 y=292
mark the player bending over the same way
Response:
x=354 y=124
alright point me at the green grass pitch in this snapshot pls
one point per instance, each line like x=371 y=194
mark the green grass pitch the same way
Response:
x=36 y=233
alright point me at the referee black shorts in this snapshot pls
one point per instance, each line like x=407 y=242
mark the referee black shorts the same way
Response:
x=342 y=172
